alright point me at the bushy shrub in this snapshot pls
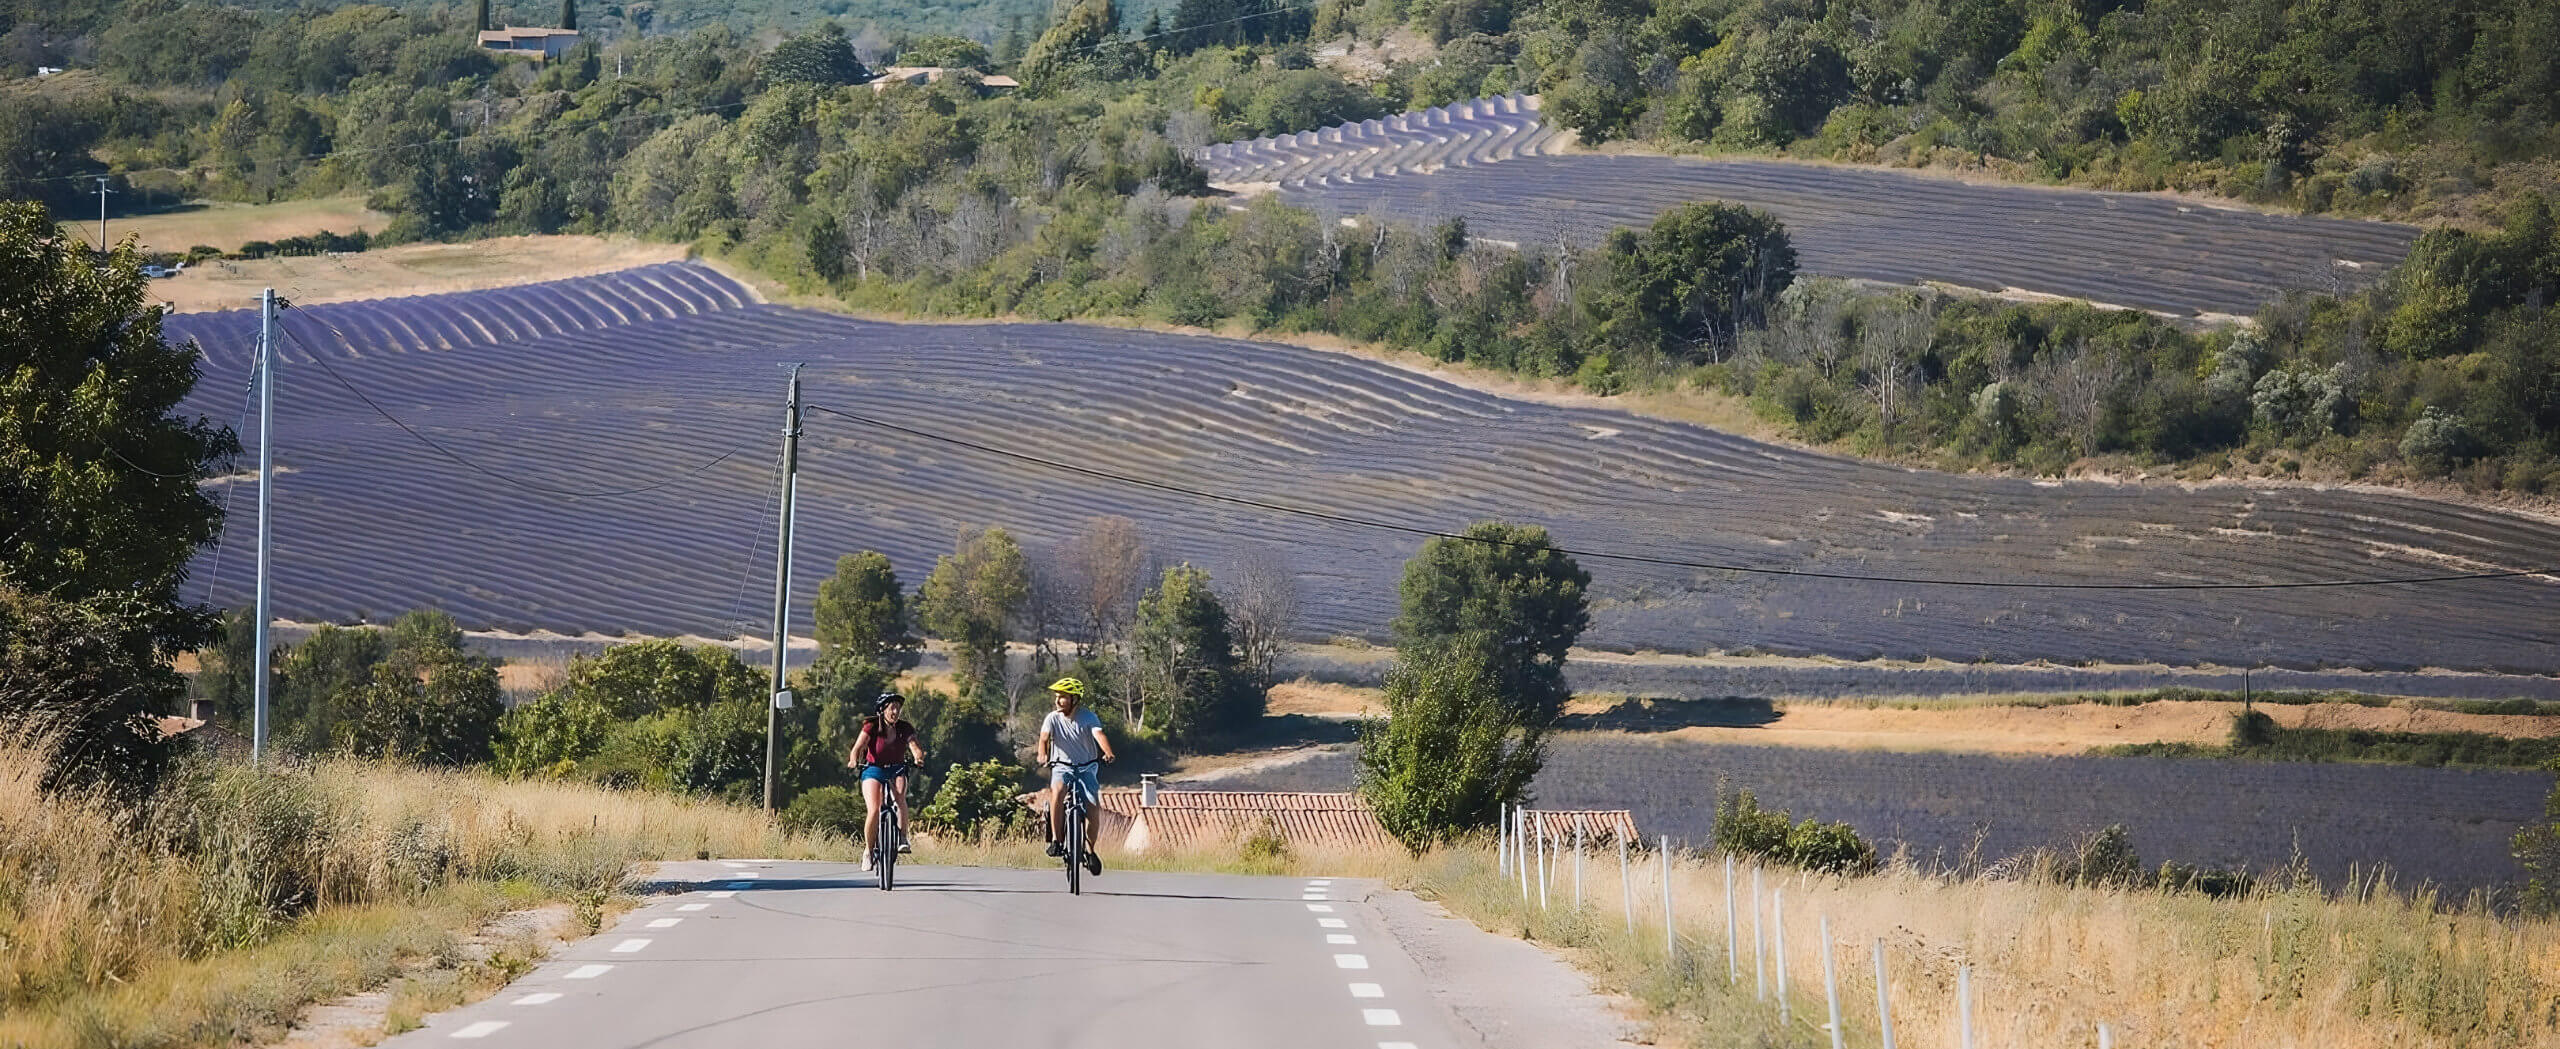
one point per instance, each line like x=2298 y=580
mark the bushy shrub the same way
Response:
x=2105 y=857
x=974 y=799
x=829 y=810
x=1742 y=826
x=2435 y=442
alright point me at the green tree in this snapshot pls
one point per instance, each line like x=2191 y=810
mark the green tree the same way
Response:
x=98 y=471
x=970 y=599
x=649 y=677
x=100 y=509
x=1505 y=594
x=1078 y=34
x=1452 y=749
x=315 y=682
x=821 y=56
x=480 y=16
x=568 y=14
x=948 y=52
x=551 y=735
x=429 y=702
x=1188 y=670
x=1701 y=273
x=2537 y=850
x=861 y=614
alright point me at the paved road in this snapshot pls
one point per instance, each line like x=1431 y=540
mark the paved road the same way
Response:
x=775 y=955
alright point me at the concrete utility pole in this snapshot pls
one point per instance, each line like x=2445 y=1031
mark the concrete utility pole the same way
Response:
x=266 y=490
x=782 y=582
x=102 y=213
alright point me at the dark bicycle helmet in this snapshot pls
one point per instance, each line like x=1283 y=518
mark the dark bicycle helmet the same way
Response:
x=885 y=699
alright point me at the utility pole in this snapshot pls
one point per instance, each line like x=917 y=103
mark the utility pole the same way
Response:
x=782 y=582
x=102 y=213
x=266 y=490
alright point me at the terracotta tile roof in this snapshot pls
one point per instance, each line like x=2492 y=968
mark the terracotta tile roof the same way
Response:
x=1599 y=826
x=1195 y=817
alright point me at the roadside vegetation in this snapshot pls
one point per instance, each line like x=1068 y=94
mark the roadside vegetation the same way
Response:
x=2257 y=737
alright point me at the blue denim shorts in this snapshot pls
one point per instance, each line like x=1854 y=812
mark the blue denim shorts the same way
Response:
x=1088 y=780
x=883 y=774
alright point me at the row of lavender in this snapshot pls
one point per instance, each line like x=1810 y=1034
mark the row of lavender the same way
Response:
x=372 y=522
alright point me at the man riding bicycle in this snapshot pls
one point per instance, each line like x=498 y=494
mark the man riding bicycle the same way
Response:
x=1073 y=735
x=885 y=750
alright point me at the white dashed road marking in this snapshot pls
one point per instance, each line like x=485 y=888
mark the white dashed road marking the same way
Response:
x=1333 y=923
x=543 y=998
x=665 y=923
x=1340 y=937
x=1395 y=1045
x=589 y=972
x=1351 y=961
x=1367 y=990
x=1321 y=908
x=483 y=1029
x=1382 y=1017
x=694 y=907
x=721 y=895
x=630 y=945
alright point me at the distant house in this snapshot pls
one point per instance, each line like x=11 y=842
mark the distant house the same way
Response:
x=1153 y=819
x=529 y=41
x=920 y=75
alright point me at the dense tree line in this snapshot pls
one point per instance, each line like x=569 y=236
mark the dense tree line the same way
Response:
x=2370 y=107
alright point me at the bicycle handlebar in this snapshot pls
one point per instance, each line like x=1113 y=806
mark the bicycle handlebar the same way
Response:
x=1076 y=764
x=900 y=768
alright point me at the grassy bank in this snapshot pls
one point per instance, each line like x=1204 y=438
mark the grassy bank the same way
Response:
x=2280 y=966
x=235 y=896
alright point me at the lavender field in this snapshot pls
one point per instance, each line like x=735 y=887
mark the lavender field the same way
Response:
x=641 y=377
x=2448 y=827
x=1496 y=163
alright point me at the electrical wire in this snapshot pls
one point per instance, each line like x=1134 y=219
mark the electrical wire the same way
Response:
x=323 y=361
x=1603 y=555
x=747 y=564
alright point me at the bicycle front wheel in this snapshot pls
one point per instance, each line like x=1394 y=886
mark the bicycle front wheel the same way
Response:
x=1075 y=851
x=887 y=848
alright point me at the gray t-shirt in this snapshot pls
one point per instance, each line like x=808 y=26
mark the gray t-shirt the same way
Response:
x=1071 y=738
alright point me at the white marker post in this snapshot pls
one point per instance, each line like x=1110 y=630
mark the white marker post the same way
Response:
x=1831 y=983
x=1626 y=884
x=1884 y=1002
x=1546 y=852
x=2106 y=1037
x=1732 y=928
x=1778 y=948
x=1670 y=933
x=1964 y=1007
x=1519 y=851
x=1759 y=943
x=1577 y=864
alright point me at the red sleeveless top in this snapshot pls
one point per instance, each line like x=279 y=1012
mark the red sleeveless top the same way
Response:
x=888 y=743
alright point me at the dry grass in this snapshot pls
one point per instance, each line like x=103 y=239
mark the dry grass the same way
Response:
x=237 y=896
x=2279 y=969
x=410 y=269
x=2283 y=968
x=2061 y=729
x=228 y=226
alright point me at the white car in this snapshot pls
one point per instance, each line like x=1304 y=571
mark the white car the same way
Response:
x=163 y=271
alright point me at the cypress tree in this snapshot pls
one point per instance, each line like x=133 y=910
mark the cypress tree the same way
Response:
x=481 y=21
x=568 y=14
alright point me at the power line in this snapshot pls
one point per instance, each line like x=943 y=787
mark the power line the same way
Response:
x=1364 y=522
x=323 y=361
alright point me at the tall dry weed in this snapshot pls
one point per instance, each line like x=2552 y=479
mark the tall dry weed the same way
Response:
x=2287 y=967
x=225 y=856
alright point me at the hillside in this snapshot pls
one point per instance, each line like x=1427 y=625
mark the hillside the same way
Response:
x=640 y=379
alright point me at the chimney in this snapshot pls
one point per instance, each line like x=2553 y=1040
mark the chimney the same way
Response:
x=201 y=710
x=1147 y=790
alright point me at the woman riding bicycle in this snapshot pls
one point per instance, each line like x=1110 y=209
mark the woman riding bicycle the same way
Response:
x=1073 y=735
x=884 y=751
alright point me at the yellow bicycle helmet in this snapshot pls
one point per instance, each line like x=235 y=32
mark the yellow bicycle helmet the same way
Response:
x=1069 y=686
